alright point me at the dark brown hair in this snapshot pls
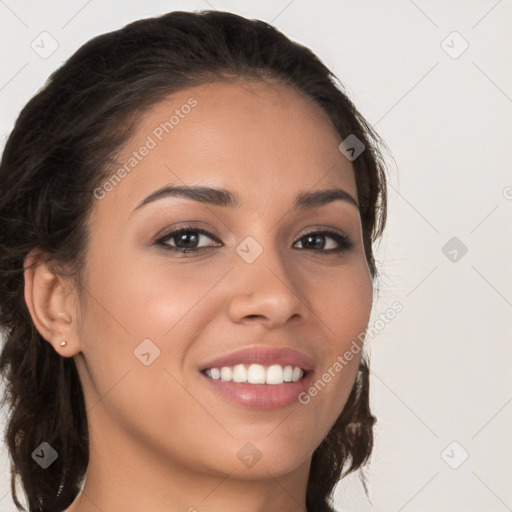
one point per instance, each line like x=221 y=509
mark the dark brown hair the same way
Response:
x=60 y=150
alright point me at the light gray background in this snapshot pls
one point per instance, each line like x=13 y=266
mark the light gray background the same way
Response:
x=442 y=366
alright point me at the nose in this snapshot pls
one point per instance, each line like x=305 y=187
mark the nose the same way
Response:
x=267 y=291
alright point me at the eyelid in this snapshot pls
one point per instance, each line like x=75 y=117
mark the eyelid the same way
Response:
x=208 y=231
x=320 y=229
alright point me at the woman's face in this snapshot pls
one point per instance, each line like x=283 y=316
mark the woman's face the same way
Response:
x=256 y=289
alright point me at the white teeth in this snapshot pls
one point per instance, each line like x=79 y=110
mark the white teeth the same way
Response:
x=239 y=373
x=297 y=374
x=274 y=374
x=226 y=373
x=256 y=374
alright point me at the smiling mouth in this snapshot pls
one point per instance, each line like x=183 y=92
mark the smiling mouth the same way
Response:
x=274 y=374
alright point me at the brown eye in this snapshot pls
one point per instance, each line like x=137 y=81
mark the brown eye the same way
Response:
x=186 y=239
x=316 y=241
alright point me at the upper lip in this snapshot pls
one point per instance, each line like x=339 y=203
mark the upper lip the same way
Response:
x=265 y=356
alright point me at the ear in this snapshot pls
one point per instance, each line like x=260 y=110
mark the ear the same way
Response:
x=51 y=302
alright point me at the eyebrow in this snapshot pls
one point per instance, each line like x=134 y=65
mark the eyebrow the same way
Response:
x=223 y=197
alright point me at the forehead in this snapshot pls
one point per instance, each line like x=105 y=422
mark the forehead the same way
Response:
x=264 y=141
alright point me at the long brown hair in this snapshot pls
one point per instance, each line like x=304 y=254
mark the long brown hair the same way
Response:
x=58 y=153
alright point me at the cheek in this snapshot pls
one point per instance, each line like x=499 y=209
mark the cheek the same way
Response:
x=345 y=313
x=148 y=297
x=342 y=299
x=152 y=307
x=152 y=403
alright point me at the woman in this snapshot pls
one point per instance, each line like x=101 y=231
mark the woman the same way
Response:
x=187 y=214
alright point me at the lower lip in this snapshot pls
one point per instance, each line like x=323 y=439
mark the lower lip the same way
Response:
x=261 y=396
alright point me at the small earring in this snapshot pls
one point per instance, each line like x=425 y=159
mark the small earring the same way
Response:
x=63 y=343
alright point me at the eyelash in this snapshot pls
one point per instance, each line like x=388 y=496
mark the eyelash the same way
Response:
x=343 y=241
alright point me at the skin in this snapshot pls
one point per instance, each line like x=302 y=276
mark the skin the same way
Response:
x=160 y=438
